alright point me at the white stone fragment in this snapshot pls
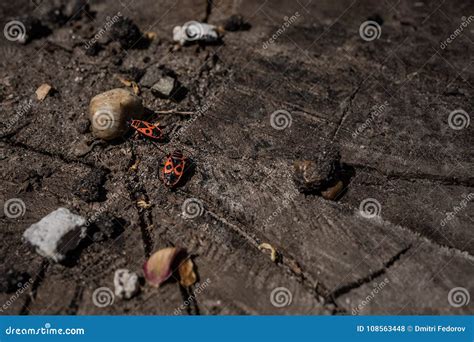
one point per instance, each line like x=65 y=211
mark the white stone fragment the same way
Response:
x=56 y=234
x=126 y=283
x=194 y=30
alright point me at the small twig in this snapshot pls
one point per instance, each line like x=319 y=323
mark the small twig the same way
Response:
x=171 y=111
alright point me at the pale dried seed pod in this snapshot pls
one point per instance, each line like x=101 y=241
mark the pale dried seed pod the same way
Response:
x=110 y=111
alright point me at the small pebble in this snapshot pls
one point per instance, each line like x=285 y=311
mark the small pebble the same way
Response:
x=126 y=33
x=56 y=234
x=236 y=22
x=164 y=87
x=316 y=174
x=43 y=91
x=126 y=283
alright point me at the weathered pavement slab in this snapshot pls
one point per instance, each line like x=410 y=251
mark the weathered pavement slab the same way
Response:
x=384 y=102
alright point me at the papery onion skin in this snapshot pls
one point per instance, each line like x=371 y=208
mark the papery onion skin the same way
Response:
x=159 y=267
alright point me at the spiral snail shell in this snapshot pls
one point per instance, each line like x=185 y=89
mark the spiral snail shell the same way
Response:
x=110 y=111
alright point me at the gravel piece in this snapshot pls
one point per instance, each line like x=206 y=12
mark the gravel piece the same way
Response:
x=236 y=22
x=126 y=283
x=56 y=234
x=126 y=33
x=317 y=173
x=164 y=87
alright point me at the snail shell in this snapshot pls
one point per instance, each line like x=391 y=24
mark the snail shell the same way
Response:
x=109 y=112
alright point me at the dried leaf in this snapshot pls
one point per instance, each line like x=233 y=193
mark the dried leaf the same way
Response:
x=150 y=35
x=273 y=252
x=124 y=81
x=132 y=84
x=159 y=266
x=331 y=193
x=143 y=204
x=186 y=273
x=134 y=167
x=136 y=88
x=43 y=91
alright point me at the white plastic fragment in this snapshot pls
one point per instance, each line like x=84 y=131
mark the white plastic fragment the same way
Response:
x=126 y=283
x=56 y=234
x=194 y=30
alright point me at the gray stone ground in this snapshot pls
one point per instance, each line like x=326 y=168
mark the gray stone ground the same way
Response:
x=385 y=103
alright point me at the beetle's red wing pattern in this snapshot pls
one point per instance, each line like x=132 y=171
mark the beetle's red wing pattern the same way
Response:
x=147 y=129
x=173 y=169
